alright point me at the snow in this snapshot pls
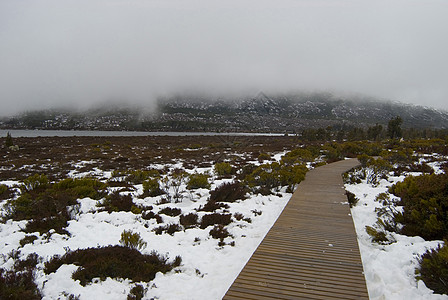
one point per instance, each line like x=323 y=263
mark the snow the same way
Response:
x=389 y=269
x=61 y=280
x=278 y=156
x=206 y=272
x=9 y=183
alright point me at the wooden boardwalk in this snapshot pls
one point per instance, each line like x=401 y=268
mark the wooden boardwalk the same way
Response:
x=311 y=252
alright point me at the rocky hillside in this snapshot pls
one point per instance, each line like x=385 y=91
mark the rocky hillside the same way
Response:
x=260 y=113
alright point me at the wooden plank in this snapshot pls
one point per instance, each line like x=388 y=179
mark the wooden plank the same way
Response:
x=311 y=252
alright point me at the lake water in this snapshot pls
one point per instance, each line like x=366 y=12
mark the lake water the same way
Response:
x=67 y=133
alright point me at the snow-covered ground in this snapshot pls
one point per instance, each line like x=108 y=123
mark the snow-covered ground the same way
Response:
x=206 y=272
x=207 y=269
x=389 y=269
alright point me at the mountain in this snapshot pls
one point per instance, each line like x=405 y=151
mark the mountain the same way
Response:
x=260 y=113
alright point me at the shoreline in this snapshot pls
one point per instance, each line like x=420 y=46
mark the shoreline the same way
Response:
x=76 y=133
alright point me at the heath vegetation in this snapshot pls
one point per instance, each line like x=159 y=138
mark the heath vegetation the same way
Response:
x=414 y=206
x=140 y=188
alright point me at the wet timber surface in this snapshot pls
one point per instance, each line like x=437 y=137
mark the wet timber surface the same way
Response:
x=311 y=252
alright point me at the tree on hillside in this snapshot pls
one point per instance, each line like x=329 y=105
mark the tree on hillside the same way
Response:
x=374 y=132
x=356 y=134
x=8 y=140
x=394 y=128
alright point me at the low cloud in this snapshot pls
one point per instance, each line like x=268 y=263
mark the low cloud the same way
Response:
x=81 y=53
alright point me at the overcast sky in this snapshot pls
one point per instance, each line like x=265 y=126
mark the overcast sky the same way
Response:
x=83 y=52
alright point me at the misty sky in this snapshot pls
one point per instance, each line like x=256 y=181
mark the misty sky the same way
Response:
x=83 y=52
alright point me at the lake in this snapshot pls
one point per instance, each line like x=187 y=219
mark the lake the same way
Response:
x=67 y=133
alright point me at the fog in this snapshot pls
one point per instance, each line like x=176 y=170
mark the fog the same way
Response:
x=79 y=53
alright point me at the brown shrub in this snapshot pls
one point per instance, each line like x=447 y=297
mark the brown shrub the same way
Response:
x=168 y=228
x=148 y=215
x=114 y=262
x=118 y=202
x=215 y=218
x=169 y=211
x=189 y=220
x=228 y=192
x=219 y=232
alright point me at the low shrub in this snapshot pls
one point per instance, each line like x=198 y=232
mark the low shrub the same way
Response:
x=43 y=225
x=117 y=183
x=333 y=152
x=377 y=236
x=151 y=187
x=211 y=206
x=219 y=232
x=18 y=283
x=228 y=192
x=168 y=228
x=3 y=188
x=139 y=176
x=5 y=192
x=376 y=170
x=163 y=200
x=215 y=218
x=263 y=156
x=117 y=202
x=24 y=264
x=47 y=211
x=174 y=183
x=299 y=155
x=318 y=164
x=196 y=181
x=188 y=221
x=256 y=212
x=223 y=169
x=82 y=187
x=72 y=296
x=28 y=239
x=433 y=269
x=34 y=182
x=423 y=168
x=148 y=215
x=372 y=170
x=132 y=240
x=354 y=176
x=136 y=210
x=137 y=292
x=364 y=159
x=169 y=211
x=27 y=264
x=238 y=216
x=245 y=170
x=275 y=175
x=352 y=200
x=425 y=206
x=114 y=262
x=429 y=146
x=400 y=157
x=46 y=204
